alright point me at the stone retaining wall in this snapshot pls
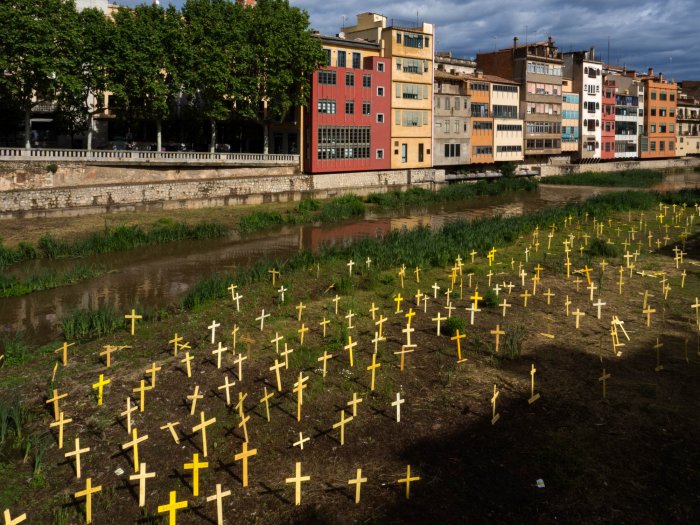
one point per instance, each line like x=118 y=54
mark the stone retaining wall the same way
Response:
x=553 y=170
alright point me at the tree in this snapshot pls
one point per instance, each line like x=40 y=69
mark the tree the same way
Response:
x=37 y=51
x=216 y=51
x=280 y=56
x=142 y=75
x=83 y=94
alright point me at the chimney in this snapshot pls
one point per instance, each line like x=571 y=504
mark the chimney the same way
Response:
x=515 y=42
x=592 y=53
x=479 y=73
x=661 y=77
x=650 y=72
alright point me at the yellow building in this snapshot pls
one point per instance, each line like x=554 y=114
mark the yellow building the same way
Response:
x=410 y=47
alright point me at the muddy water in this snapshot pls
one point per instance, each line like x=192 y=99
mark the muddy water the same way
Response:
x=159 y=275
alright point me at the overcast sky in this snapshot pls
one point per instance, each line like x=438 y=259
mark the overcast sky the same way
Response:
x=643 y=33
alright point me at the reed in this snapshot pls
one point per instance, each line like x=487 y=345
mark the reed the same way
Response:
x=85 y=324
x=627 y=179
x=13 y=286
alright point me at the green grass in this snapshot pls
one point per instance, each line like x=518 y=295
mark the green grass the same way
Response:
x=260 y=220
x=625 y=179
x=13 y=286
x=15 y=348
x=84 y=324
x=111 y=239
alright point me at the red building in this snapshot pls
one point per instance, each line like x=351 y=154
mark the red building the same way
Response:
x=347 y=126
x=607 y=148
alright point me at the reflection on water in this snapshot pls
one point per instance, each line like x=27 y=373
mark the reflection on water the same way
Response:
x=159 y=275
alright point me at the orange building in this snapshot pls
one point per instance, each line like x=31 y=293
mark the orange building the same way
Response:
x=660 y=100
x=479 y=93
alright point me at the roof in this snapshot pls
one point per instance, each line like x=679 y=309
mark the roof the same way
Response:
x=349 y=42
x=447 y=76
x=489 y=78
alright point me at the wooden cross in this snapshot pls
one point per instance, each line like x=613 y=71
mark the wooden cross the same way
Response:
x=154 y=368
x=409 y=316
x=577 y=282
x=494 y=415
x=301 y=333
x=368 y=262
x=472 y=254
x=262 y=319
x=602 y=265
x=324 y=324
x=695 y=307
x=578 y=314
x=498 y=333
x=398 y=300
x=354 y=402
x=212 y=327
x=218 y=496
x=449 y=309
x=402 y=274
x=372 y=368
x=64 y=352
x=134 y=445
x=648 y=311
x=301 y=441
x=238 y=298
x=193 y=398
x=408 y=480
x=203 y=428
x=439 y=320
x=276 y=367
x=592 y=287
x=380 y=323
x=77 y=452
x=265 y=399
x=300 y=308
x=142 y=389
x=195 y=466
x=219 y=351
x=172 y=507
x=325 y=357
x=567 y=303
x=504 y=305
x=227 y=388
x=405 y=349
x=476 y=298
x=548 y=295
x=349 y=318
x=281 y=292
x=87 y=494
x=187 y=359
x=357 y=481
x=525 y=295
x=425 y=303
x=299 y=387
x=417 y=273
x=336 y=300
x=243 y=457
x=341 y=424
x=133 y=318
x=285 y=354
x=373 y=311
x=239 y=362
x=60 y=423
x=108 y=350
x=349 y=348
x=377 y=339
x=408 y=331
x=417 y=297
x=127 y=414
x=232 y=288
x=173 y=433
x=234 y=334
x=435 y=288
x=55 y=398
x=276 y=341
x=598 y=305
x=297 y=480
x=458 y=337
x=489 y=275
x=398 y=404
x=350 y=265
x=274 y=273
x=9 y=520
x=568 y=267
x=141 y=477
x=658 y=346
x=603 y=378
x=533 y=397
x=99 y=386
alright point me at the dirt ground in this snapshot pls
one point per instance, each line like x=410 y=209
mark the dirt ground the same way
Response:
x=633 y=457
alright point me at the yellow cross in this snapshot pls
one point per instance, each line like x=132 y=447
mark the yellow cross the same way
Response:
x=99 y=386
x=341 y=424
x=297 y=480
x=133 y=318
x=357 y=481
x=134 y=444
x=172 y=507
x=243 y=456
x=408 y=480
x=195 y=466
x=87 y=494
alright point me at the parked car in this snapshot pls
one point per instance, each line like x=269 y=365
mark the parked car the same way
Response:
x=223 y=148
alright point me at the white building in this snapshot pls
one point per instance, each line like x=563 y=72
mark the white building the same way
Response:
x=587 y=75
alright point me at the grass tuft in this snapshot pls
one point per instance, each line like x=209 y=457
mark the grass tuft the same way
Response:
x=626 y=179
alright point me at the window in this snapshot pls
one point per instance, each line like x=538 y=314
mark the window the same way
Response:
x=398 y=38
x=366 y=108
x=420 y=152
x=662 y=145
x=663 y=95
x=537 y=128
x=380 y=91
x=482 y=126
x=366 y=81
x=326 y=77
x=483 y=150
x=326 y=105
x=327 y=52
x=509 y=149
x=543 y=69
x=380 y=118
x=652 y=128
x=413 y=118
x=480 y=110
x=398 y=64
x=404 y=153
x=411 y=65
x=670 y=145
x=671 y=128
x=349 y=79
x=427 y=44
x=380 y=154
x=356 y=60
x=672 y=97
x=505 y=111
x=509 y=127
x=410 y=40
x=453 y=150
x=653 y=112
x=458 y=103
x=478 y=86
x=447 y=102
x=672 y=112
x=380 y=67
x=349 y=107
x=505 y=89
x=344 y=142
x=652 y=146
x=340 y=60
x=412 y=91
x=447 y=126
x=653 y=95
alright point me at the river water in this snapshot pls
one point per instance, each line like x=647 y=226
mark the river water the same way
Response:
x=158 y=275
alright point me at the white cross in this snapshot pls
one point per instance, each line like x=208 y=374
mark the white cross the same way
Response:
x=262 y=319
x=213 y=326
x=435 y=290
x=472 y=311
x=368 y=262
x=237 y=298
x=598 y=305
x=350 y=265
x=497 y=289
x=398 y=404
x=281 y=292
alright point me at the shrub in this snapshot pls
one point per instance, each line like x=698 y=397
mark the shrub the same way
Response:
x=490 y=299
x=453 y=324
x=600 y=248
x=52 y=168
x=342 y=208
x=85 y=324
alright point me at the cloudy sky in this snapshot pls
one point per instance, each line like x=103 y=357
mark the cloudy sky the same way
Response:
x=642 y=33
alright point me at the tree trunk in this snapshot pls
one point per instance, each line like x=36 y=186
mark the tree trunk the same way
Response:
x=212 y=141
x=27 y=129
x=266 y=138
x=159 y=134
x=88 y=141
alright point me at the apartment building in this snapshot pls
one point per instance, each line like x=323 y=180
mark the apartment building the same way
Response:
x=607 y=146
x=629 y=110
x=409 y=47
x=537 y=69
x=507 y=122
x=444 y=61
x=587 y=75
x=347 y=122
x=481 y=140
x=688 y=125
x=570 y=109
x=452 y=120
x=659 y=138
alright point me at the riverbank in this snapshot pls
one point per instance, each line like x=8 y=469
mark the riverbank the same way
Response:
x=582 y=448
x=615 y=179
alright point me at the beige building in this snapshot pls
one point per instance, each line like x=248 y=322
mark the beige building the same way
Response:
x=451 y=112
x=507 y=124
x=570 y=109
x=688 y=126
x=410 y=47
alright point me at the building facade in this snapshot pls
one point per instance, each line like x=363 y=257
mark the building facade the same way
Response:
x=347 y=123
x=587 y=75
x=452 y=123
x=481 y=140
x=607 y=147
x=409 y=47
x=570 y=110
x=507 y=122
x=688 y=126
x=629 y=110
x=537 y=68
x=659 y=138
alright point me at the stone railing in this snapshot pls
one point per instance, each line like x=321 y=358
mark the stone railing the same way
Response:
x=134 y=156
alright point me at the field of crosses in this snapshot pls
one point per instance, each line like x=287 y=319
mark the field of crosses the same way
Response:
x=534 y=382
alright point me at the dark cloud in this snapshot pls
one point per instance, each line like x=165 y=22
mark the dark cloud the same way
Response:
x=641 y=33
